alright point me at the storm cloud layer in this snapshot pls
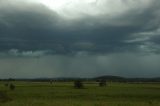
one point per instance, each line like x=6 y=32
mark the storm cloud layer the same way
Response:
x=65 y=35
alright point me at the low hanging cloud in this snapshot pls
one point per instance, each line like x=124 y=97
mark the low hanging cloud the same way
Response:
x=17 y=53
x=88 y=29
x=127 y=65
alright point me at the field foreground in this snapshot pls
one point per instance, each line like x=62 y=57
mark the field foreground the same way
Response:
x=64 y=94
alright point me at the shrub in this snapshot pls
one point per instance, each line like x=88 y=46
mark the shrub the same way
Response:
x=12 y=87
x=102 y=83
x=51 y=81
x=78 y=84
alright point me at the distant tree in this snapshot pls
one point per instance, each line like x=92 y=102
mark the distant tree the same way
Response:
x=102 y=83
x=11 y=79
x=78 y=84
x=51 y=81
x=12 y=87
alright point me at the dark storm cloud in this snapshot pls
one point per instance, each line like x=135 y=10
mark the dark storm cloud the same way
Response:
x=34 y=27
x=25 y=27
x=123 y=39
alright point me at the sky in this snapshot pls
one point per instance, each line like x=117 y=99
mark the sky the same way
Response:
x=79 y=38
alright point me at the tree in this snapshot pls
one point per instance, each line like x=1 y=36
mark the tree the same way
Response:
x=102 y=83
x=12 y=87
x=78 y=84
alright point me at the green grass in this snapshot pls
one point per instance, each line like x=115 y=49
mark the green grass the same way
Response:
x=64 y=94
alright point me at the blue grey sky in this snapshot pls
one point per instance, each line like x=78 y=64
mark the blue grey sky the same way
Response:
x=79 y=38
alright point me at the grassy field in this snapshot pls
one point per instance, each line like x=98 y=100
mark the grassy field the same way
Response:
x=64 y=94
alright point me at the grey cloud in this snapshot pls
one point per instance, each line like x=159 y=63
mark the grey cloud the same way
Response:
x=123 y=64
x=34 y=27
x=123 y=41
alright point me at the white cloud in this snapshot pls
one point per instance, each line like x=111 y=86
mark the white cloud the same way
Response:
x=16 y=52
x=73 y=9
